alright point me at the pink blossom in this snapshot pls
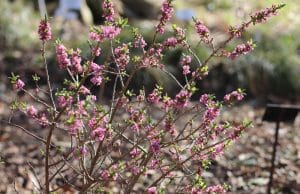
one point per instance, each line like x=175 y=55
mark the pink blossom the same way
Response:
x=241 y=49
x=81 y=108
x=94 y=67
x=64 y=101
x=154 y=97
x=105 y=32
x=179 y=34
x=235 y=95
x=92 y=123
x=155 y=147
x=62 y=57
x=76 y=60
x=95 y=37
x=96 y=51
x=167 y=11
x=154 y=164
x=97 y=79
x=205 y=99
x=43 y=120
x=134 y=170
x=170 y=42
x=167 y=103
x=215 y=189
x=19 y=85
x=44 y=31
x=31 y=111
x=104 y=174
x=210 y=114
x=186 y=60
x=110 y=32
x=263 y=15
x=186 y=70
x=108 y=10
x=122 y=56
x=202 y=31
x=99 y=133
x=139 y=42
x=75 y=127
x=151 y=190
x=182 y=98
x=84 y=90
x=135 y=153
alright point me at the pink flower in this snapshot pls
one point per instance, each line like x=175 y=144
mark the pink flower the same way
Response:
x=75 y=127
x=104 y=174
x=97 y=80
x=64 y=101
x=170 y=42
x=108 y=10
x=95 y=37
x=19 y=85
x=94 y=67
x=122 y=56
x=186 y=60
x=44 y=31
x=151 y=190
x=110 y=32
x=96 y=51
x=205 y=99
x=62 y=57
x=167 y=11
x=84 y=90
x=104 y=32
x=43 y=120
x=167 y=103
x=186 y=70
x=181 y=99
x=241 y=49
x=155 y=147
x=153 y=97
x=31 y=111
x=202 y=31
x=99 y=133
x=139 y=42
x=134 y=170
x=211 y=114
x=76 y=67
x=235 y=95
x=135 y=153
x=263 y=15
x=215 y=189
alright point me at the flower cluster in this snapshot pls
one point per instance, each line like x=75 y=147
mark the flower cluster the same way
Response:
x=167 y=11
x=108 y=10
x=121 y=54
x=234 y=96
x=202 y=31
x=76 y=67
x=185 y=63
x=263 y=15
x=19 y=84
x=101 y=33
x=241 y=49
x=62 y=56
x=44 y=31
x=96 y=72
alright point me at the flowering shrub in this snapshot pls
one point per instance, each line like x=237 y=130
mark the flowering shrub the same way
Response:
x=176 y=143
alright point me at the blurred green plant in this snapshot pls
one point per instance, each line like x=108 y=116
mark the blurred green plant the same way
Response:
x=17 y=25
